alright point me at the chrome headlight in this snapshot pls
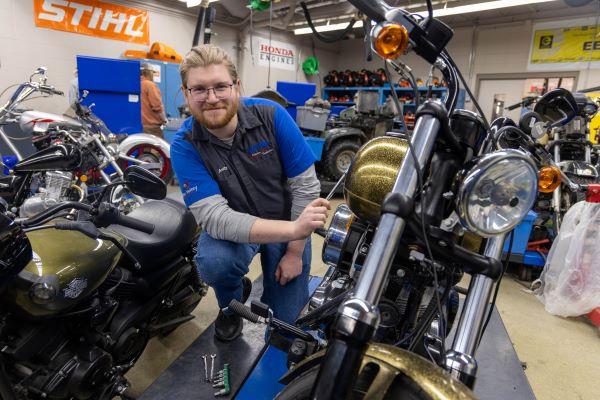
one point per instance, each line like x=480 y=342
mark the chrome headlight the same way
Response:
x=336 y=234
x=498 y=192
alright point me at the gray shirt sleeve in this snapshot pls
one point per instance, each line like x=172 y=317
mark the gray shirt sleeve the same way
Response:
x=215 y=216
x=304 y=188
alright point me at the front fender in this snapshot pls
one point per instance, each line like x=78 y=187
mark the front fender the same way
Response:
x=144 y=138
x=336 y=133
x=393 y=361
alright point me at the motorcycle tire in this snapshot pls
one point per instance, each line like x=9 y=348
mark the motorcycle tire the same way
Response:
x=338 y=156
x=402 y=388
x=150 y=153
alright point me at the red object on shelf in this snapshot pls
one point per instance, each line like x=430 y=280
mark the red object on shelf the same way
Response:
x=594 y=316
x=593 y=193
x=539 y=246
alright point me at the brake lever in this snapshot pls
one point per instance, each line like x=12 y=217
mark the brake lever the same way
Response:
x=136 y=264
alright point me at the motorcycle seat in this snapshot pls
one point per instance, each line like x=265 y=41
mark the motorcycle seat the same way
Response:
x=174 y=229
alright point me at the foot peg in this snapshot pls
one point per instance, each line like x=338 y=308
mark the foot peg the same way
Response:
x=261 y=313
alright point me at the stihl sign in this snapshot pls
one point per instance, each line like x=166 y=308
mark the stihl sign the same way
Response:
x=94 y=18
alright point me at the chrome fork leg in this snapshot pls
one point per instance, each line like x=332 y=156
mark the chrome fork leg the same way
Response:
x=460 y=359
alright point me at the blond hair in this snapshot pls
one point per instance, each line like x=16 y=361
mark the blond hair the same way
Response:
x=203 y=56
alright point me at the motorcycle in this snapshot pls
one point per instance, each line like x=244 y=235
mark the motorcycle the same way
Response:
x=99 y=147
x=420 y=212
x=79 y=314
x=569 y=145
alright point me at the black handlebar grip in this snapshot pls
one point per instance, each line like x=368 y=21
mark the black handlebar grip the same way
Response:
x=135 y=224
x=243 y=311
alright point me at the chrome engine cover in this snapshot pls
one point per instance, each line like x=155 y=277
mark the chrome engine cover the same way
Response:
x=56 y=184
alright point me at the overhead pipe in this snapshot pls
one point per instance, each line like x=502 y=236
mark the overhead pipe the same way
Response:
x=200 y=23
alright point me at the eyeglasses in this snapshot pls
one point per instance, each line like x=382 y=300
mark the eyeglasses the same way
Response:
x=222 y=91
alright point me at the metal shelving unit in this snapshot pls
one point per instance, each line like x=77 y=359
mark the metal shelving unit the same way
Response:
x=384 y=92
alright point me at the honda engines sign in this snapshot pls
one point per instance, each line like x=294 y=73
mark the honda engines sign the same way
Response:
x=280 y=55
x=94 y=18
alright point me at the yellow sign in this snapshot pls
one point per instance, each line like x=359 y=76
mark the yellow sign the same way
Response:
x=595 y=122
x=94 y=18
x=561 y=45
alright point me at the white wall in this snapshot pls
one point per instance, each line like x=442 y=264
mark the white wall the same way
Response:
x=255 y=77
x=23 y=47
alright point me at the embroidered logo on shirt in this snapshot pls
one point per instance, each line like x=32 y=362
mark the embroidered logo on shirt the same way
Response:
x=260 y=150
x=187 y=190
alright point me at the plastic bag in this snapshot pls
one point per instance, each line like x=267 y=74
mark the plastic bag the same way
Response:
x=571 y=276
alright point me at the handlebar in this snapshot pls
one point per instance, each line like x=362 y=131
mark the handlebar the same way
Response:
x=36 y=219
x=50 y=90
x=133 y=223
x=105 y=215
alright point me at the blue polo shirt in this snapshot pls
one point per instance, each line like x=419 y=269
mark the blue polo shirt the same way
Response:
x=268 y=148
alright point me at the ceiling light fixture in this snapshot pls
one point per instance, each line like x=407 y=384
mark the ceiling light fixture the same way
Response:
x=487 y=6
x=442 y=12
x=194 y=3
x=327 y=28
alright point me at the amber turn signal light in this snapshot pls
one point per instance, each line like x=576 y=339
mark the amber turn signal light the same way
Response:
x=548 y=179
x=389 y=40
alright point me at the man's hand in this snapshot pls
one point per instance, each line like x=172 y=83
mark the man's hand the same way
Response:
x=313 y=217
x=290 y=266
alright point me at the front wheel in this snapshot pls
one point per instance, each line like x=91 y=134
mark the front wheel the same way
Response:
x=387 y=372
x=159 y=162
x=402 y=388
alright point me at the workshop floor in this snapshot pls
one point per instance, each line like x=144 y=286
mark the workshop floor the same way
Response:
x=562 y=356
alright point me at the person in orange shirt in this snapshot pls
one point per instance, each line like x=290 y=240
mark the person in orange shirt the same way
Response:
x=153 y=111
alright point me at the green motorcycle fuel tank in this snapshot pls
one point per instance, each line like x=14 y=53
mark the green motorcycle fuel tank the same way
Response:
x=66 y=267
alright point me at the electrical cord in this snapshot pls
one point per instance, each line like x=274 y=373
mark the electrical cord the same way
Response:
x=492 y=305
x=404 y=71
x=430 y=9
x=270 y=37
x=5 y=89
x=466 y=86
x=322 y=37
x=421 y=193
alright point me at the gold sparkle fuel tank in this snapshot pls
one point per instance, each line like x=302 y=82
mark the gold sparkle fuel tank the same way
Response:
x=372 y=175
x=66 y=267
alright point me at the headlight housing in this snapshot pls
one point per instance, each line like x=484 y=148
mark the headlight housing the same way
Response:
x=497 y=192
x=336 y=235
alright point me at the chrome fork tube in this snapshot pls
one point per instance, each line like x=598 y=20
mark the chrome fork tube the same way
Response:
x=385 y=243
x=358 y=316
x=588 y=149
x=460 y=359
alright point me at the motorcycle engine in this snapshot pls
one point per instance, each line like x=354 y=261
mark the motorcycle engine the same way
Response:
x=54 y=190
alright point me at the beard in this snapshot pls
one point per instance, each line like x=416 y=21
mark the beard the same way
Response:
x=215 y=116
